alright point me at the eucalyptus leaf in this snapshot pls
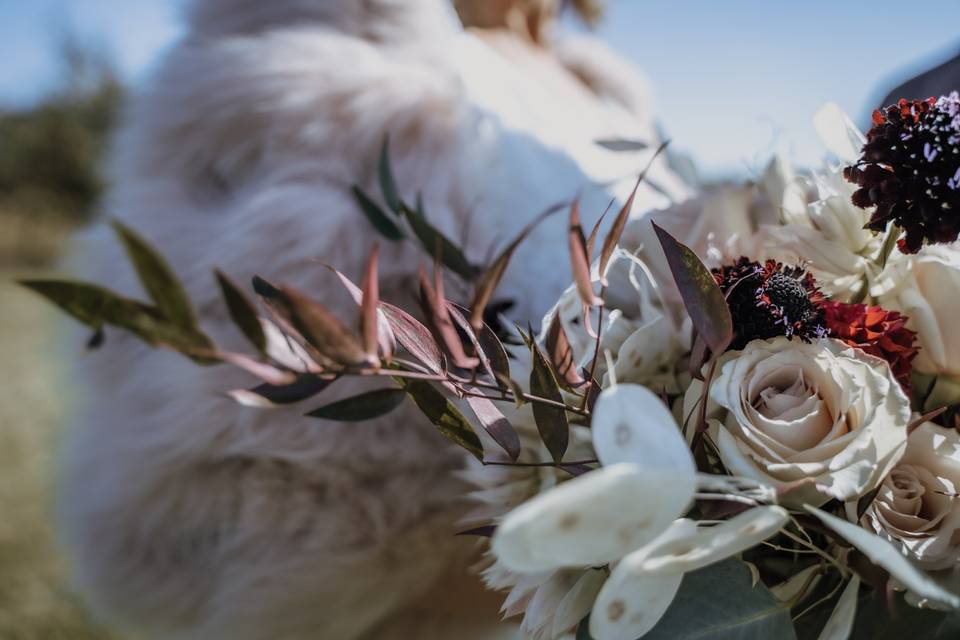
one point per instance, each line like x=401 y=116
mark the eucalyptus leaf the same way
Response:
x=719 y=602
x=306 y=386
x=552 y=422
x=158 y=279
x=446 y=417
x=701 y=296
x=622 y=144
x=377 y=217
x=388 y=184
x=319 y=327
x=359 y=408
x=451 y=256
x=242 y=312
x=96 y=306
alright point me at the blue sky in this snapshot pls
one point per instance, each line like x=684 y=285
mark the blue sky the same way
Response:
x=734 y=79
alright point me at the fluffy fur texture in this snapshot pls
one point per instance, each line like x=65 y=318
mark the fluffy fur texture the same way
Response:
x=192 y=518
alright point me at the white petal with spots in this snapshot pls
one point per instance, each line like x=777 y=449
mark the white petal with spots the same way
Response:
x=594 y=519
x=631 y=424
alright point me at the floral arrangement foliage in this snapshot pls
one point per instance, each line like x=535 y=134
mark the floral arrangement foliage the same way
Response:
x=739 y=421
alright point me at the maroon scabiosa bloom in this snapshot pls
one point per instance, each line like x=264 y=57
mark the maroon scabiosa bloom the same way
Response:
x=876 y=331
x=768 y=300
x=910 y=170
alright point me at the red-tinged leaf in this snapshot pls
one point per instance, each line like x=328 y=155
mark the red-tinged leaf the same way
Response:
x=491 y=345
x=552 y=422
x=435 y=308
x=363 y=407
x=369 y=322
x=272 y=396
x=385 y=336
x=387 y=228
x=320 y=328
x=616 y=230
x=414 y=337
x=446 y=417
x=490 y=278
x=459 y=317
x=561 y=355
x=242 y=312
x=575 y=469
x=593 y=391
x=699 y=354
x=579 y=262
x=485 y=531
x=701 y=296
x=927 y=417
x=157 y=278
x=497 y=425
x=266 y=372
x=592 y=240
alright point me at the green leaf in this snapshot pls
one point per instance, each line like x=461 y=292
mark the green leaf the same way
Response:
x=719 y=602
x=875 y=622
x=701 y=296
x=621 y=144
x=365 y=406
x=446 y=417
x=451 y=256
x=95 y=306
x=388 y=185
x=552 y=422
x=158 y=279
x=387 y=228
x=242 y=312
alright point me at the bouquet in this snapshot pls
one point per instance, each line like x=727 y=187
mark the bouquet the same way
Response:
x=740 y=420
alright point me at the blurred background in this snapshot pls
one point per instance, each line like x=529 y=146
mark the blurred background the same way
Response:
x=734 y=81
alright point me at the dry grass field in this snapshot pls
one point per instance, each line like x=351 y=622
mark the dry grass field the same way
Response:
x=35 y=603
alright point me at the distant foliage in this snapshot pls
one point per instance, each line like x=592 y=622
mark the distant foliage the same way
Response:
x=52 y=151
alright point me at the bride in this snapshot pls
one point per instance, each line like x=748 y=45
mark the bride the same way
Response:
x=189 y=517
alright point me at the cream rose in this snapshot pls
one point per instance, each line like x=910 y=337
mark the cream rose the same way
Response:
x=927 y=290
x=915 y=508
x=789 y=410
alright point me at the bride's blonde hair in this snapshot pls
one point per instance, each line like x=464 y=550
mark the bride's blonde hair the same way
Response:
x=526 y=17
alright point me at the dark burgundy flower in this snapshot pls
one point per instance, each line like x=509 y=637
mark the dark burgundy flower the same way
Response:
x=910 y=170
x=768 y=300
x=876 y=331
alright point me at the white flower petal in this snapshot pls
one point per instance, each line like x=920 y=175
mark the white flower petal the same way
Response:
x=598 y=517
x=712 y=544
x=840 y=624
x=578 y=601
x=631 y=424
x=631 y=603
x=881 y=552
x=838 y=132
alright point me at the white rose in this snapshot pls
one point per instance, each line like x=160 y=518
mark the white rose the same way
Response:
x=916 y=508
x=790 y=410
x=927 y=290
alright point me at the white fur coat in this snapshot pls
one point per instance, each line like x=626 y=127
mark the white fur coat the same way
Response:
x=189 y=517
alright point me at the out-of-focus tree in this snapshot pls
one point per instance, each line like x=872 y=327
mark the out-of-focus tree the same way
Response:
x=51 y=151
